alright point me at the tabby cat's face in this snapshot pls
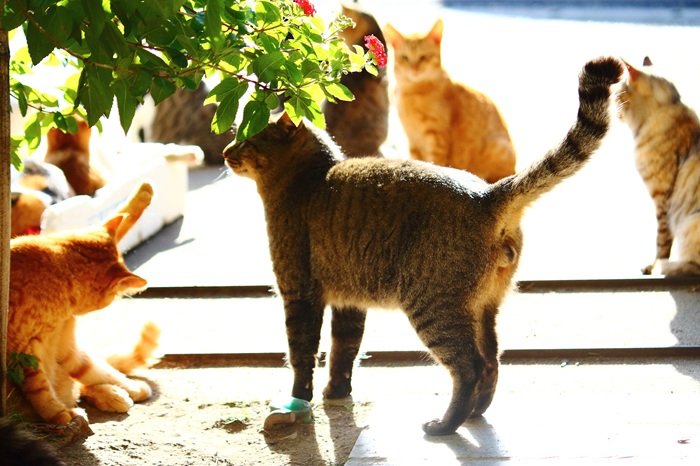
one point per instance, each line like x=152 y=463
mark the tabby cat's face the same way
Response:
x=251 y=157
x=643 y=92
x=417 y=57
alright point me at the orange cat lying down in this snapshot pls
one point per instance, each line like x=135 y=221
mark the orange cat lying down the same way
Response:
x=53 y=279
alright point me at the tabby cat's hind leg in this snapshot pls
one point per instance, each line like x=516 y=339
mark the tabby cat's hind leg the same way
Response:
x=489 y=348
x=450 y=336
x=347 y=328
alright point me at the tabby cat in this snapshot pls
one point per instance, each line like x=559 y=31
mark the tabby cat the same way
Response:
x=667 y=155
x=19 y=448
x=71 y=153
x=446 y=122
x=53 y=279
x=439 y=243
x=183 y=118
x=360 y=126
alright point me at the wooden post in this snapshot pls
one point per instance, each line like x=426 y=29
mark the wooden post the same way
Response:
x=5 y=207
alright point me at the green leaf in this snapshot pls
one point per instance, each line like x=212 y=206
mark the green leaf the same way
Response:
x=140 y=82
x=267 y=12
x=256 y=116
x=296 y=107
x=61 y=24
x=60 y=121
x=212 y=24
x=227 y=87
x=339 y=91
x=39 y=45
x=126 y=104
x=225 y=115
x=177 y=57
x=12 y=15
x=32 y=130
x=161 y=89
x=266 y=66
x=95 y=95
x=95 y=14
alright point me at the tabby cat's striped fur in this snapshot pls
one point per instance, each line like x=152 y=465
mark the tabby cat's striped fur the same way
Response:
x=446 y=122
x=667 y=156
x=439 y=243
x=360 y=126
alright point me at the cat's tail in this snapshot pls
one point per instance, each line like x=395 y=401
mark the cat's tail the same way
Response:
x=141 y=354
x=133 y=209
x=582 y=140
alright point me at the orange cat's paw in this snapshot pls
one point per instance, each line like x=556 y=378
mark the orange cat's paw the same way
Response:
x=64 y=417
x=139 y=390
x=107 y=398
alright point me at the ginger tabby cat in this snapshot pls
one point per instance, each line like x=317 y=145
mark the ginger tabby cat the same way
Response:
x=71 y=153
x=667 y=156
x=446 y=122
x=440 y=244
x=53 y=279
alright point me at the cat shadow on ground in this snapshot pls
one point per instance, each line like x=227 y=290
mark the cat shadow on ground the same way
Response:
x=481 y=440
x=685 y=326
x=165 y=240
x=299 y=440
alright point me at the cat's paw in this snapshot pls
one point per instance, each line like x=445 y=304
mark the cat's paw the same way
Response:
x=107 y=398
x=138 y=390
x=437 y=427
x=64 y=417
x=648 y=269
x=337 y=391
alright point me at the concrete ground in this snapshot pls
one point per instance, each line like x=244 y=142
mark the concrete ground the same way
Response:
x=599 y=224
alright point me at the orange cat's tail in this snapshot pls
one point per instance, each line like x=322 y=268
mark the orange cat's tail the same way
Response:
x=582 y=140
x=134 y=207
x=142 y=353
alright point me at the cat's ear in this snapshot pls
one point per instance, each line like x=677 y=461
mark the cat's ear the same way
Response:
x=393 y=36
x=112 y=225
x=436 y=32
x=128 y=283
x=631 y=70
x=285 y=122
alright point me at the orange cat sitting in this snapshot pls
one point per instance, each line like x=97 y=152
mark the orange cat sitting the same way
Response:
x=71 y=153
x=53 y=279
x=446 y=122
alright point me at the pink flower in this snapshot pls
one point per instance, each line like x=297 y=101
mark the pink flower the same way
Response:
x=306 y=6
x=376 y=48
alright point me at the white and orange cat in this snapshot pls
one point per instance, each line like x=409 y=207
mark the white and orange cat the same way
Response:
x=667 y=156
x=446 y=122
x=53 y=279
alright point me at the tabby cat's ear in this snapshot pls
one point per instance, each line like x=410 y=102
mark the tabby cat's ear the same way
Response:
x=285 y=122
x=393 y=36
x=436 y=32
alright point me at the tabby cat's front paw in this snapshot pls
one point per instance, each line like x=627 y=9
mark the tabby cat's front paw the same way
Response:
x=648 y=269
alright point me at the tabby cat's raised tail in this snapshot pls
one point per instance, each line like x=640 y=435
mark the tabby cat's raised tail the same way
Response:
x=582 y=140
